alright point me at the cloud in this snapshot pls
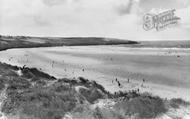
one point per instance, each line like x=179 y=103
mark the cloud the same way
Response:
x=185 y=18
x=163 y=4
x=40 y=21
x=101 y=18
x=53 y=2
x=125 y=8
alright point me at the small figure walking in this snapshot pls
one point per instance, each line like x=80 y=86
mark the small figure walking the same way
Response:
x=138 y=90
x=119 y=84
x=143 y=80
x=52 y=64
x=10 y=58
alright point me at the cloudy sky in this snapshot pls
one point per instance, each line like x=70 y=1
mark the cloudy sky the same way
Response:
x=101 y=18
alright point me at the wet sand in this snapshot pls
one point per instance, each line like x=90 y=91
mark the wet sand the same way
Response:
x=166 y=71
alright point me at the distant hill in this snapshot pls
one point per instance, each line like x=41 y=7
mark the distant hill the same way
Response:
x=163 y=44
x=8 y=42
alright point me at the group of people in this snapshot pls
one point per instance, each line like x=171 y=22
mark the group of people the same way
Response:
x=118 y=83
x=128 y=81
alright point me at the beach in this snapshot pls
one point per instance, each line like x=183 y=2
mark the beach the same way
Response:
x=160 y=71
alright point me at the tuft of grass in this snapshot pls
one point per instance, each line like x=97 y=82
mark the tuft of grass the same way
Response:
x=100 y=87
x=145 y=107
x=42 y=103
x=18 y=83
x=92 y=94
x=177 y=102
x=83 y=80
x=35 y=74
x=2 y=83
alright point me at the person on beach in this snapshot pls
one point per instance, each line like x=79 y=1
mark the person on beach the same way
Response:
x=52 y=64
x=143 y=82
x=10 y=58
x=138 y=90
x=119 y=84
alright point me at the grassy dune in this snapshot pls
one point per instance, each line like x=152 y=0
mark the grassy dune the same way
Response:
x=32 y=94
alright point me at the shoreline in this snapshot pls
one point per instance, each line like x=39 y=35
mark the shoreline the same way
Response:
x=71 y=62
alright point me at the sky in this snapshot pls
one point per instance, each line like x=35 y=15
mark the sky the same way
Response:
x=91 y=18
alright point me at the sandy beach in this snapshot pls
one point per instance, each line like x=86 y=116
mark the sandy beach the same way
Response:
x=160 y=71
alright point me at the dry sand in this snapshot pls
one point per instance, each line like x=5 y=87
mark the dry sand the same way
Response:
x=166 y=71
